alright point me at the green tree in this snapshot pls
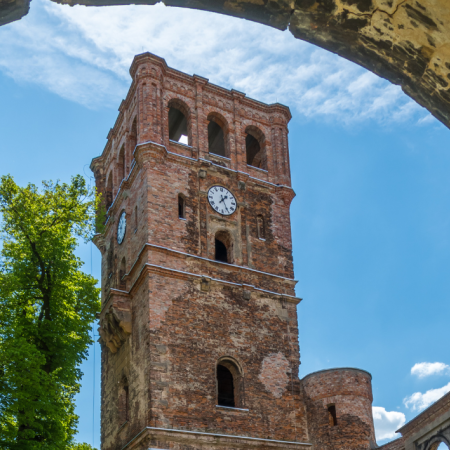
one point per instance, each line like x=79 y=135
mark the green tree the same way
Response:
x=47 y=306
x=82 y=447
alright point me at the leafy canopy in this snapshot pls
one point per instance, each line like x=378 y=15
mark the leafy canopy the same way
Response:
x=47 y=306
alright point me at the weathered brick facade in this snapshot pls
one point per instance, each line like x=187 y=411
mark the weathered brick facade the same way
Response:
x=175 y=317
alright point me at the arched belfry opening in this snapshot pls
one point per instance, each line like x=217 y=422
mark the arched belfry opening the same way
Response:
x=216 y=136
x=229 y=384
x=109 y=191
x=133 y=135
x=121 y=164
x=255 y=148
x=223 y=247
x=178 y=122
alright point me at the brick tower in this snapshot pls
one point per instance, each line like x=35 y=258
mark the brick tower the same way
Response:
x=198 y=325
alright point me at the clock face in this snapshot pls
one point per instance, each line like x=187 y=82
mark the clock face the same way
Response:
x=222 y=200
x=121 y=227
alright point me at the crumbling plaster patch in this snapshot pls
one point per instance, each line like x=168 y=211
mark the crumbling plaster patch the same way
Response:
x=274 y=374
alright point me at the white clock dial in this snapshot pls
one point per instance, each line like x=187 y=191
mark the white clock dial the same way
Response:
x=222 y=200
x=121 y=227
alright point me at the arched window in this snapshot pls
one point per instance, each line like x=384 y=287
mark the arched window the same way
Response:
x=122 y=272
x=223 y=247
x=109 y=191
x=261 y=227
x=229 y=384
x=216 y=136
x=123 y=402
x=133 y=135
x=255 y=148
x=178 y=126
x=332 y=418
x=121 y=164
x=110 y=257
x=181 y=206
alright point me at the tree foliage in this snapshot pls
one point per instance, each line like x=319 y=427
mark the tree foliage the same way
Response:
x=82 y=447
x=47 y=306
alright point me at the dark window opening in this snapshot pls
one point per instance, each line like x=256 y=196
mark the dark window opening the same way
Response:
x=181 y=207
x=223 y=247
x=122 y=163
x=332 y=419
x=255 y=148
x=178 y=128
x=216 y=139
x=133 y=135
x=221 y=251
x=109 y=192
x=225 y=387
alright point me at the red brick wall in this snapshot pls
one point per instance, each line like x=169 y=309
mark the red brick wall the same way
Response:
x=350 y=391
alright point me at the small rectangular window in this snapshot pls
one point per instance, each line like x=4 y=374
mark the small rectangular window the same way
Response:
x=332 y=419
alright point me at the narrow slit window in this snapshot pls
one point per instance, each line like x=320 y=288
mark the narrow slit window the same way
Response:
x=122 y=271
x=332 y=419
x=123 y=403
x=181 y=207
x=261 y=227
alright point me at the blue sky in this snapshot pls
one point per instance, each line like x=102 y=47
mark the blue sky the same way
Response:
x=371 y=218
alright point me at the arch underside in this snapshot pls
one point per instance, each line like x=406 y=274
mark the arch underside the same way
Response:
x=405 y=41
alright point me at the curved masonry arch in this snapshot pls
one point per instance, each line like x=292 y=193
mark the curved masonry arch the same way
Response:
x=405 y=41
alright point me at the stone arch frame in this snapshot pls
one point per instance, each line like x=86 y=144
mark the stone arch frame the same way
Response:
x=376 y=37
x=219 y=118
x=435 y=441
x=181 y=105
x=237 y=371
x=259 y=159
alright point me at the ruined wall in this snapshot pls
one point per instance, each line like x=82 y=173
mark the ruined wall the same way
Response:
x=405 y=41
x=350 y=392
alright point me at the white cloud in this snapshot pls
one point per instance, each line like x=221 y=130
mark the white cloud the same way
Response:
x=83 y=54
x=387 y=422
x=426 y=369
x=419 y=401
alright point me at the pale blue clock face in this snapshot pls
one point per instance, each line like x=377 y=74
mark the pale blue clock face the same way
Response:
x=222 y=200
x=121 y=227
